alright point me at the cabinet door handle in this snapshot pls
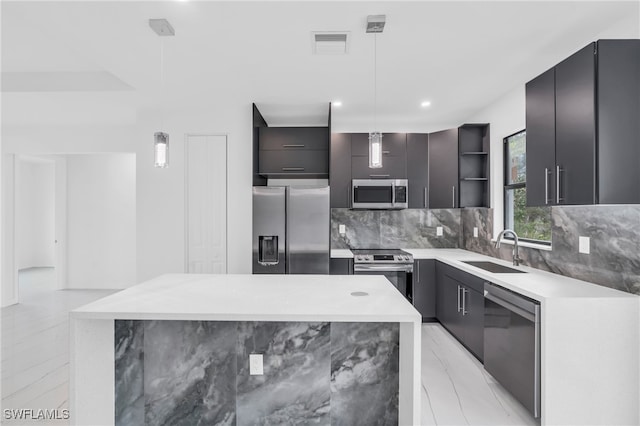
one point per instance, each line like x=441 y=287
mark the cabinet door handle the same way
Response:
x=546 y=185
x=424 y=204
x=375 y=176
x=464 y=302
x=386 y=152
x=453 y=196
x=293 y=146
x=293 y=169
x=458 y=298
x=558 y=171
x=417 y=271
x=349 y=200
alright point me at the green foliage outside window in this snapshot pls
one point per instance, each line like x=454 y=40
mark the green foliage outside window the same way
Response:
x=530 y=223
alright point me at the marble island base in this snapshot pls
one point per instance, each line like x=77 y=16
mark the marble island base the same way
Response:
x=140 y=357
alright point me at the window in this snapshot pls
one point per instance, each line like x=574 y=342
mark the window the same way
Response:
x=530 y=223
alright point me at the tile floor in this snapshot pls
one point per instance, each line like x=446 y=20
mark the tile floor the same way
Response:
x=35 y=363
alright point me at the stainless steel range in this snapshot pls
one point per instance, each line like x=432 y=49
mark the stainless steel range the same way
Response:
x=396 y=265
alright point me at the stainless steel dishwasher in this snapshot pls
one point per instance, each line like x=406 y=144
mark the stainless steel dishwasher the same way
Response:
x=512 y=343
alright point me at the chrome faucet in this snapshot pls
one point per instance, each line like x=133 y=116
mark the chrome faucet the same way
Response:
x=516 y=258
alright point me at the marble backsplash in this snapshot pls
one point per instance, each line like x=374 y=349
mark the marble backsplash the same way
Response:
x=614 y=231
x=410 y=228
x=197 y=373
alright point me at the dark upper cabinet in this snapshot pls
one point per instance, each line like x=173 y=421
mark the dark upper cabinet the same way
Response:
x=443 y=169
x=394 y=157
x=418 y=169
x=473 y=165
x=300 y=152
x=575 y=128
x=294 y=138
x=393 y=144
x=582 y=128
x=541 y=144
x=304 y=163
x=340 y=170
x=392 y=168
x=618 y=129
x=424 y=288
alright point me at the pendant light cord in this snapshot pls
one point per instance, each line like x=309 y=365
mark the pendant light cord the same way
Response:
x=161 y=84
x=375 y=82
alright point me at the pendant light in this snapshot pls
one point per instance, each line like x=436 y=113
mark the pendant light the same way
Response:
x=163 y=28
x=375 y=25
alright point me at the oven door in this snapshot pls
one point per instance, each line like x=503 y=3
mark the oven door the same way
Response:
x=401 y=276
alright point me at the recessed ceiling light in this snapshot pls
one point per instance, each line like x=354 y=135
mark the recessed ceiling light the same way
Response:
x=336 y=103
x=425 y=104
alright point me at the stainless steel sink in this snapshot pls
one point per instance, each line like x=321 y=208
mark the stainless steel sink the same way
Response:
x=496 y=268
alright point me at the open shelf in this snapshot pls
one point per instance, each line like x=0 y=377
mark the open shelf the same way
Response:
x=473 y=165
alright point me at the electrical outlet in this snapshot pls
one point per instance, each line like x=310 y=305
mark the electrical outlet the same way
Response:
x=475 y=232
x=256 y=367
x=342 y=229
x=584 y=245
x=439 y=231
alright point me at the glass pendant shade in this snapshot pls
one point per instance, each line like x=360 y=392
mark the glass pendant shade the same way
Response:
x=161 y=149
x=375 y=150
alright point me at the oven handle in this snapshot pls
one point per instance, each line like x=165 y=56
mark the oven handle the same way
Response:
x=382 y=268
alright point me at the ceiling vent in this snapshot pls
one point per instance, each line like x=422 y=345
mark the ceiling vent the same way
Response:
x=375 y=23
x=330 y=43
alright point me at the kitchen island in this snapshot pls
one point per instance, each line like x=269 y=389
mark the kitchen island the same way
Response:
x=176 y=349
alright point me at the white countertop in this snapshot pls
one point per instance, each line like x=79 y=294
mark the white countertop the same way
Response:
x=341 y=254
x=256 y=298
x=536 y=284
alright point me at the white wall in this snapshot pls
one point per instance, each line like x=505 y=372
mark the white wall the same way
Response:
x=9 y=291
x=35 y=215
x=161 y=202
x=101 y=221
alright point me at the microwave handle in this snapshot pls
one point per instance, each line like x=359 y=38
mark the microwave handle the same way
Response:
x=393 y=194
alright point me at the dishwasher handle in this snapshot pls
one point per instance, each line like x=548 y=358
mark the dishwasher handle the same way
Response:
x=509 y=300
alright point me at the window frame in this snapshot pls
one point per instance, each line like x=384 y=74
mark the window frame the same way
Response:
x=513 y=186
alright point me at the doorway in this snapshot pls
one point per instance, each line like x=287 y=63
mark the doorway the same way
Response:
x=35 y=223
x=206 y=204
x=93 y=217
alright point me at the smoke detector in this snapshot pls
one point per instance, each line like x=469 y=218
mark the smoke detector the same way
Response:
x=375 y=23
x=330 y=42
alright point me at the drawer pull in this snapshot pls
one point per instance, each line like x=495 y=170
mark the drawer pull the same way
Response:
x=292 y=146
x=293 y=169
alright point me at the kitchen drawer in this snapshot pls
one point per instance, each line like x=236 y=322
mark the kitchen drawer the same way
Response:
x=393 y=144
x=293 y=138
x=392 y=168
x=465 y=278
x=300 y=162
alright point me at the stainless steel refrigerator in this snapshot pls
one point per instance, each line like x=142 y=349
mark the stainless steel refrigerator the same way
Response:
x=291 y=230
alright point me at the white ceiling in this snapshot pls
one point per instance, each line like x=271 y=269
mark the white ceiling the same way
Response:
x=101 y=61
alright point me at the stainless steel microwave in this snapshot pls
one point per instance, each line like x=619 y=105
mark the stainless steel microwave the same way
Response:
x=379 y=194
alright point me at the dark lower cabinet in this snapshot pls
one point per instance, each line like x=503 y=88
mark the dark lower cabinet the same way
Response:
x=424 y=288
x=460 y=306
x=340 y=266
